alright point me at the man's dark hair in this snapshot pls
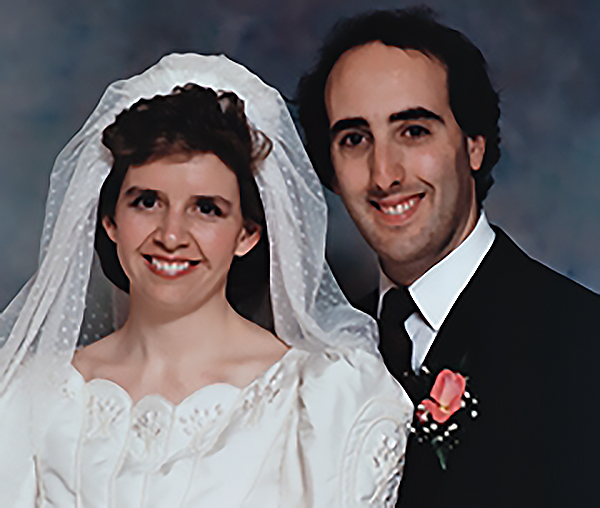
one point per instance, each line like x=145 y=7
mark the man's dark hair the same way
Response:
x=473 y=100
x=190 y=120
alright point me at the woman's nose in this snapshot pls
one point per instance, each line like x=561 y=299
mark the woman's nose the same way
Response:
x=172 y=234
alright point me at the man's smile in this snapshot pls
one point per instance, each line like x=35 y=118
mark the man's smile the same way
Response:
x=397 y=209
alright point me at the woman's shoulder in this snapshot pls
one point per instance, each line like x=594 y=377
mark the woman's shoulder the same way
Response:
x=95 y=357
x=356 y=415
x=355 y=376
x=350 y=391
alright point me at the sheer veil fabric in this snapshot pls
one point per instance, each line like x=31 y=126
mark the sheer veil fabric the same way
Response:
x=69 y=297
x=41 y=327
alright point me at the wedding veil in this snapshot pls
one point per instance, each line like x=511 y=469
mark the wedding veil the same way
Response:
x=68 y=295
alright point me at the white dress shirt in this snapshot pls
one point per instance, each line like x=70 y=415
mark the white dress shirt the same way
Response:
x=435 y=292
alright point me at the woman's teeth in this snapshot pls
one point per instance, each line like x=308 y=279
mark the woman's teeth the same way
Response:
x=399 y=208
x=170 y=268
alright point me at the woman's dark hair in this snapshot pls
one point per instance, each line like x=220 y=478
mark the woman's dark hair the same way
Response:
x=190 y=120
x=473 y=100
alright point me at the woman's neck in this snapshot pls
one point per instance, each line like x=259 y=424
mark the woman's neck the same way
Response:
x=156 y=332
x=175 y=353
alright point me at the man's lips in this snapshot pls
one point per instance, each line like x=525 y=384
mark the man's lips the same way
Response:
x=170 y=267
x=397 y=206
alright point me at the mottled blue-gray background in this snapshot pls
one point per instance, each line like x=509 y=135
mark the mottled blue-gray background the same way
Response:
x=57 y=56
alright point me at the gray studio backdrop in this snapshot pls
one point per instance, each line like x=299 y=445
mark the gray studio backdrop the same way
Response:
x=57 y=56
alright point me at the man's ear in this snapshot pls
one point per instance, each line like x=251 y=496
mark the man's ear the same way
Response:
x=249 y=237
x=476 y=149
x=109 y=225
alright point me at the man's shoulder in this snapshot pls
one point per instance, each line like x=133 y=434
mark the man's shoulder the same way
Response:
x=516 y=301
x=508 y=263
x=512 y=294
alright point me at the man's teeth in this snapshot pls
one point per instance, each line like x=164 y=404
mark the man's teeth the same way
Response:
x=399 y=208
x=170 y=268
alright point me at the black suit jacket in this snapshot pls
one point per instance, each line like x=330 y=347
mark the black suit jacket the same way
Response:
x=528 y=339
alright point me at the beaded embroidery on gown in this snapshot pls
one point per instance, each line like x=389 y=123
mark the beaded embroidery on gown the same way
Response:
x=323 y=427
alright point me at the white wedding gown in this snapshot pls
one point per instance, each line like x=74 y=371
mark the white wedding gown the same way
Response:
x=318 y=430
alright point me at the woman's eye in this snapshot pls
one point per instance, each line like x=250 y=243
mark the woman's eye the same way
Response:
x=352 y=139
x=207 y=207
x=149 y=202
x=145 y=201
x=416 y=131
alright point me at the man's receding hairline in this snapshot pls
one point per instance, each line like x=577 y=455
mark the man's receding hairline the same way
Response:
x=428 y=54
x=424 y=52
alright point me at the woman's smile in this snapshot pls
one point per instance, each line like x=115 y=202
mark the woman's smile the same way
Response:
x=170 y=268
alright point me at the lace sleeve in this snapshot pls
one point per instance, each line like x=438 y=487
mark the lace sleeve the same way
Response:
x=356 y=416
x=374 y=456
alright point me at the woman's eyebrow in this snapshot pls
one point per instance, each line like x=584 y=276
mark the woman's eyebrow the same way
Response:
x=134 y=190
x=204 y=197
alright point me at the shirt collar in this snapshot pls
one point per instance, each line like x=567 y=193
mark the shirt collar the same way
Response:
x=437 y=289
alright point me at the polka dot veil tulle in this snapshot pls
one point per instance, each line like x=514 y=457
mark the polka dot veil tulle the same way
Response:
x=68 y=301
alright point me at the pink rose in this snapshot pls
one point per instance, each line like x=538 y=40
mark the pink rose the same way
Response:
x=447 y=392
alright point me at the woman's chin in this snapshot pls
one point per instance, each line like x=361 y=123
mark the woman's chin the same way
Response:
x=166 y=299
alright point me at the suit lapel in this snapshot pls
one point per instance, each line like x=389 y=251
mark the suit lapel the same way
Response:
x=468 y=328
x=468 y=332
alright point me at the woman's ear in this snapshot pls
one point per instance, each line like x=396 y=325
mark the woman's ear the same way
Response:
x=109 y=225
x=249 y=237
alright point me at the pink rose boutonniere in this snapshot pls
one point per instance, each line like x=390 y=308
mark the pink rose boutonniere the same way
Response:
x=440 y=418
x=446 y=395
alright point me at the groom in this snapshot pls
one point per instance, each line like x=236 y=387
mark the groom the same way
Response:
x=401 y=121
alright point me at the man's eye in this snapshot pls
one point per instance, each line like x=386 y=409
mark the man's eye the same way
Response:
x=208 y=207
x=352 y=139
x=416 y=131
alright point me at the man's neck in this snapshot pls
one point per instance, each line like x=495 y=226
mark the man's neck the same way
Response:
x=437 y=289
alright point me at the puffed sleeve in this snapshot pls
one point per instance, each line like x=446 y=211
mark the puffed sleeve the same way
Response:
x=17 y=466
x=353 y=430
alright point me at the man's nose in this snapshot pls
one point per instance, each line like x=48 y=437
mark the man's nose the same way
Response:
x=172 y=233
x=387 y=165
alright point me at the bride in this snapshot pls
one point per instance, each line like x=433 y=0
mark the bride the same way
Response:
x=188 y=179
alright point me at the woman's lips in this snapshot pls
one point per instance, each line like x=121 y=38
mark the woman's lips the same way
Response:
x=170 y=268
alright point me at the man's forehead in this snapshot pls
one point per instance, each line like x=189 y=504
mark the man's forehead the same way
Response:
x=374 y=50
x=376 y=79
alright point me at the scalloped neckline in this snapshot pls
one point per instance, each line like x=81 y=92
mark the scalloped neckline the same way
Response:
x=216 y=387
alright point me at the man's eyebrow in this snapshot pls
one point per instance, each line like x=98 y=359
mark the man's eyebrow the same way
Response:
x=407 y=114
x=415 y=114
x=347 y=123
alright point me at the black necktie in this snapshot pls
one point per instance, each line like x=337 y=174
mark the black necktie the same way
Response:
x=394 y=343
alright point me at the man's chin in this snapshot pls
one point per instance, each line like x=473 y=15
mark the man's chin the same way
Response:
x=402 y=245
